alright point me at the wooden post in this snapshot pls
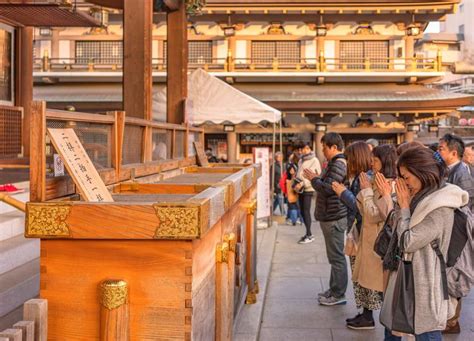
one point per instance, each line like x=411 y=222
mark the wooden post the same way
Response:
x=147 y=144
x=222 y=293
x=318 y=146
x=114 y=314
x=25 y=82
x=137 y=59
x=231 y=53
x=232 y=147
x=38 y=152
x=27 y=328
x=320 y=51
x=119 y=128
x=37 y=310
x=177 y=65
x=251 y=254
x=55 y=43
x=12 y=334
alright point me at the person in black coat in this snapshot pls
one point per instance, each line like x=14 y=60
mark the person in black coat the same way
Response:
x=332 y=216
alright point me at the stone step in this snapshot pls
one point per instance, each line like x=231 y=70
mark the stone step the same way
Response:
x=23 y=196
x=17 y=251
x=12 y=224
x=18 y=286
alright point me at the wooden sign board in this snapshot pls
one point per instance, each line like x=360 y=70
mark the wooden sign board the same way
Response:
x=79 y=165
x=201 y=154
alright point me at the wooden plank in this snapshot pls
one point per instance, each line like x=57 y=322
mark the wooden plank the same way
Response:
x=137 y=66
x=38 y=152
x=155 y=272
x=201 y=155
x=117 y=148
x=79 y=165
x=62 y=115
x=27 y=328
x=177 y=65
x=37 y=310
x=12 y=334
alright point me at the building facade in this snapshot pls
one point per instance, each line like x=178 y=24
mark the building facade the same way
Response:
x=341 y=67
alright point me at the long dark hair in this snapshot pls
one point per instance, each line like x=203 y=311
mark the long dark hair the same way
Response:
x=421 y=162
x=359 y=158
x=387 y=154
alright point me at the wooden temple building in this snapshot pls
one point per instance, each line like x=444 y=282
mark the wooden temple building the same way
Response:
x=344 y=66
x=167 y=249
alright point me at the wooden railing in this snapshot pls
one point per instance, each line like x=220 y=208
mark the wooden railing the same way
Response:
x=120 y=147
x=230 y=64
x=11 y=123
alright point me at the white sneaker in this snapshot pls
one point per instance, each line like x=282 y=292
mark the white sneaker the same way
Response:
x=306 y=240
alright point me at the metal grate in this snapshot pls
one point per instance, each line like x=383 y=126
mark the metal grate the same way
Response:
x=353 y=54
x=199 y=52
x=179 y=143
x=99 y=52
x=10 y=132
x=96 y=139
x=161 y=144
x=285 y=51
x=132 y=144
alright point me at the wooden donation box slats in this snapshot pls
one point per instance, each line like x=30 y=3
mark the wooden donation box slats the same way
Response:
x=172 y=260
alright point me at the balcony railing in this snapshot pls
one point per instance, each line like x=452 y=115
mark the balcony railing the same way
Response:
x=321 y=64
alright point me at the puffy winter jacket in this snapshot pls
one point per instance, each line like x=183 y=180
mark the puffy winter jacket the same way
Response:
x=460 y=175
x=328 y=206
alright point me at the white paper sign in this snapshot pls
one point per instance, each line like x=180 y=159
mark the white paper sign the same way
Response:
x=262 y=155
x=58 y=165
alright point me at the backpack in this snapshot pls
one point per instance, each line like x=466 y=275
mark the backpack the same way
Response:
x=458 y=271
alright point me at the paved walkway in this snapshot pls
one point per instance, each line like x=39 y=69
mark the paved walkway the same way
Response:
x=298 y=273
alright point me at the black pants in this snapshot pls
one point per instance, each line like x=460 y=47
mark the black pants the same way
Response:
x=305 y=199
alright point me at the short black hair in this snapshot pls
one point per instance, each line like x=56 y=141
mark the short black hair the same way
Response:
x=309 y=144
x=454 y=142
x=333 y=139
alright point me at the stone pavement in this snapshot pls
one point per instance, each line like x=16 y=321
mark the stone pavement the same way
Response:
x=290 y=309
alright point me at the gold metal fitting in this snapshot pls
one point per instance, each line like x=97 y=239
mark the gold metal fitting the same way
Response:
x=231 y=240
x=113 y=293
x=252 y=207
x=222 y=253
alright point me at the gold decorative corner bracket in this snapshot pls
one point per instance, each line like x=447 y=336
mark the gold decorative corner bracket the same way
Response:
x=177 y=222
x=251 y=298
x=47 y=220
x=113 y=293
x=256 y=287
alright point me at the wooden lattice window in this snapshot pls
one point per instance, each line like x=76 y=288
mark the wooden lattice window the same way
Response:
x=199 y=52
x=99 y=52
x=284 y=51
x=353 y=54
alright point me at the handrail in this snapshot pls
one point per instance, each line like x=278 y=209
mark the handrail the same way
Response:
x=20 y=205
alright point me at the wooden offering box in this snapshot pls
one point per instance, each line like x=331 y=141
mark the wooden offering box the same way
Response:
x=174 y=259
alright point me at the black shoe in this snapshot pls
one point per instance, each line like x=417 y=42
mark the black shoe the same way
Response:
x=361 y=323
x=353 y=318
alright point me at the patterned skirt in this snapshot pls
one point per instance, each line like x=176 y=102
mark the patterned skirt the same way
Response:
x=365 y=298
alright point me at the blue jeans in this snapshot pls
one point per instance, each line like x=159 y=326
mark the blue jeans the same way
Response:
x=278 y=202
x=428 y=336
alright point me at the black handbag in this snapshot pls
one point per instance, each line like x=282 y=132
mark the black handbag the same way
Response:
x=382 y=241
x=403 y=306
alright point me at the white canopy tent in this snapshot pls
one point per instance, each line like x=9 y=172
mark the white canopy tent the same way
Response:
x=211 y=100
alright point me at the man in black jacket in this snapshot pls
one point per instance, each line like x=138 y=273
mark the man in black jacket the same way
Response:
x=451 y=148
x=332 y=216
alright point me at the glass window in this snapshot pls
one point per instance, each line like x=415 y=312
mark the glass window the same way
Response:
x=6 y=65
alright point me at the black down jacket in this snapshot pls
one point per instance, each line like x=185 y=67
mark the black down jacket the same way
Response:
x=328 y=206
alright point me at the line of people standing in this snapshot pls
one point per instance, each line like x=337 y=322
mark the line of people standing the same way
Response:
x=363 y=188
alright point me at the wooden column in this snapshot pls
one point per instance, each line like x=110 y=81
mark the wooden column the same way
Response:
x=55 y=43
x=137 y=68
x=25 y=82
x=177 y=65
x=319 y=46
x=232 y=147
x=409 y=47
x=409 y=136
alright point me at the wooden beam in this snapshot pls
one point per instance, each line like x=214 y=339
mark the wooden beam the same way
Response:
x=137 y=68
x=25 y=82
x=38 y=152
x=177 y=64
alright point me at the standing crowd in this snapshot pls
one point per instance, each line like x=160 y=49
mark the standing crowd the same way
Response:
x=402 y=216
